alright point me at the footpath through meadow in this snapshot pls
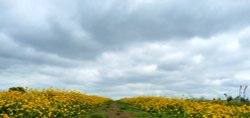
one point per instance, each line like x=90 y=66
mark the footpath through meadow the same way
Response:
x=116 y=109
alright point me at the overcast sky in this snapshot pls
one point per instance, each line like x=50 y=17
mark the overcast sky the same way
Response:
x=124 y=48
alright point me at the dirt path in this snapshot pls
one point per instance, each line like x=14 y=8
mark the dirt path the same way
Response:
x=117 y=109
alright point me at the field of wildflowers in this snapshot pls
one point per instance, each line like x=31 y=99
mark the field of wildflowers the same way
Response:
x=47 y=103
x=167 y=107
x=20 y=102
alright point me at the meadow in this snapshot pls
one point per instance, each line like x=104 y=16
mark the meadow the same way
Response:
x=49 y=103
x=190 y=108
x=18 y=102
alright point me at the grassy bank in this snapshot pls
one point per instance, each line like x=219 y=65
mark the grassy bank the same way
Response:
x=51 y=103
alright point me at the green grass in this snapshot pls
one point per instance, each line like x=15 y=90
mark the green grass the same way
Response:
x=116 y=109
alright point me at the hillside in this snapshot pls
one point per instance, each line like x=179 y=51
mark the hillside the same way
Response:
x=21 y=102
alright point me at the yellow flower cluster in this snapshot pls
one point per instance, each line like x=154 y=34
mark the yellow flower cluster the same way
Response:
x=189 y=108
x=47 y=103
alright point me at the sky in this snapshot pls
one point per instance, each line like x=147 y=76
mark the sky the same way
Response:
x=125 y=48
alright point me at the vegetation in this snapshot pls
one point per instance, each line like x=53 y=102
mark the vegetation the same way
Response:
x=19 y=102
x=238 y=107
x=117 y=109
x=179 y=108
x=19 y=89
x=30 y=103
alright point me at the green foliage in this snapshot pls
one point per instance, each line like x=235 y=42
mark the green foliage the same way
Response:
x=19 y=89
x=98 y=116
x=229 y=98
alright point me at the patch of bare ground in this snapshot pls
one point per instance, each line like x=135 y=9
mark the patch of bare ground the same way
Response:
x=117 y=109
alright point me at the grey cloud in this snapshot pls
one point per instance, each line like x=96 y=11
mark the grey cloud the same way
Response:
x=14 y=53
x=105 y=47
x=211 y=66
x=110 y=25
x=164 y=20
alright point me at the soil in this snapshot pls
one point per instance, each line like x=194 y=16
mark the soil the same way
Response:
x=117 y=109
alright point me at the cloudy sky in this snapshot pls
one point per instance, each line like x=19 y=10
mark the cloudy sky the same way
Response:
x=123 y=48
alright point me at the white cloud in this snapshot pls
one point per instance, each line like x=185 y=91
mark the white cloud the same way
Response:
x=198 y=59
x=126 y=48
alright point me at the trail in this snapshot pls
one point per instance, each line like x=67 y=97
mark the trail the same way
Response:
x=117 y=109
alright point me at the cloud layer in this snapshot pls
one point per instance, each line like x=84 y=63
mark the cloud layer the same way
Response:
x=126 y=48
